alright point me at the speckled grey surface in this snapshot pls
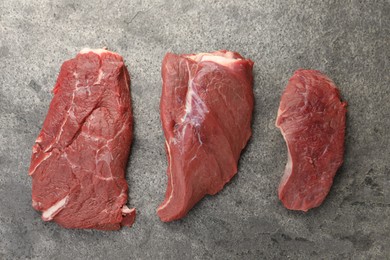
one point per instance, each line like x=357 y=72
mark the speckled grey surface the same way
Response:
x=348 y=40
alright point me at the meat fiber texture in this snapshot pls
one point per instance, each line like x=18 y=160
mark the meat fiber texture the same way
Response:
x=206 y=111
x=79 y=158
x=311 y=118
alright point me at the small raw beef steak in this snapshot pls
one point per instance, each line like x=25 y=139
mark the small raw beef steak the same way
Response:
x=79 y=158
x=206 y=111
x=311 y=118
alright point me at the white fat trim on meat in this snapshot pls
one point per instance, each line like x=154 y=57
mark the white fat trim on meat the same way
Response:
x=39 y=139
x=49 y=214
x=277 y=117
x=100 y=76
x=97 y=51
x=199 y=139
x=45 y=157
x=104 y=178
x=126 y=210
x=63 y=124
x=170 y=177
x=36 y=204
x=224 y=59
x=289 y=164
x=219 y=60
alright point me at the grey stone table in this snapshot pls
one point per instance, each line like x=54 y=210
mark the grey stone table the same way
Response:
x=348 y=40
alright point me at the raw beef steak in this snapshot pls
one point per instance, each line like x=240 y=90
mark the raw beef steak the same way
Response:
x=79 y=158
x=311 y=118
x=206 y=110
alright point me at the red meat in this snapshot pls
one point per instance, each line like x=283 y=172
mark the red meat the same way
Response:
x=311 y=118
x=79 y=158
x=206 y=110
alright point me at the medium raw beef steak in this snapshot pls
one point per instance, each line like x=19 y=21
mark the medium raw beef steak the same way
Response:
x=311 y=118
x=79 y=158
x=206 y=111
